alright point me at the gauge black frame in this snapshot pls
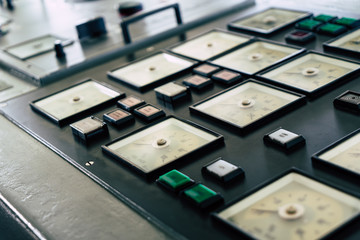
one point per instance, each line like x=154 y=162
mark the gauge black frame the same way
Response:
x=257 y=123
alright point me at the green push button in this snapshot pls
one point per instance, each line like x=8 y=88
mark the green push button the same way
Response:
x=174 y=180
x=348 y=22
x=202 y=196
x=199 y=193
x=332 y=29
x=308 y=24
x=324 y=18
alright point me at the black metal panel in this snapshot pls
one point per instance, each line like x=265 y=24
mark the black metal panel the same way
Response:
x=318 y=121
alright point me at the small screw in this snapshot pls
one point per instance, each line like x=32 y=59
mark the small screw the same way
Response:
x=89 y=163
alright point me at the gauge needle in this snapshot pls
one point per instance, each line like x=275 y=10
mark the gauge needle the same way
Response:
x=142 y=143
x=265 y=210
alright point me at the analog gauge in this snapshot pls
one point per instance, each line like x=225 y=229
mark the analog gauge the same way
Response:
x=293 y=207
x=151 y=70
x=246 y=104
x=347 y=43
x=209 y=45
x=344 y=154
x=36 y=46
x=268 y=21
x=72 y=102
x=160 y=144
x=255 y=57
x=311 y=72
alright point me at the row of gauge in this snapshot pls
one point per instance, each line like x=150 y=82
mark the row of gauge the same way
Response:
x=285 y=75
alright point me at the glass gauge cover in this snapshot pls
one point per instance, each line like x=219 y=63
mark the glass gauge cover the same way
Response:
x=36 y=46
x=292 y=207
x=150 y=149
x=268 y=21
x=209 y=45
x=248 y=105
x=152 y=70
x=311 y=73
x=71 y=103
x=343 y=154
x=348 y=43
x=256 y=56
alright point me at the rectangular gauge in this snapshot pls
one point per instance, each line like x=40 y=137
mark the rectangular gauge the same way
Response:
x=268 y=21
x=4 y=86
x=311 y=73
x=150 y=149
x=347 y=44
x=36 y=46
x=248 y=105
x=209 y=45
x=344 y=154
x=151 y=71
x=72 y=103
x=256 y=56
x=294 y=206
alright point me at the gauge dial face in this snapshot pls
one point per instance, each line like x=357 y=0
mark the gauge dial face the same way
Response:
x=160 y=144
x=246 y=103
x=311 y=71
x=209 y=45
x=35 y=46
x=294 y=207
x=350 y=41
x=346 y=154
x=75 y=99
x=151 y=69
x=269 y=20
x=255 y=57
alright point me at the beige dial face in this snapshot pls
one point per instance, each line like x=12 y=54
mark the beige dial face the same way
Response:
x=209 y=45
x=255 y=56
x=151 y=69
x=346 y=154
x=269 y=19
x=350 y=41
x=294 y=207
x=246 y=103
x=160 y=144
x=311 y=71
x=75 y=99
x=35 y=46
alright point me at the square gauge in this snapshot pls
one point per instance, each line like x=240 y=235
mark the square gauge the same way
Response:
x=150 y=149
x=248 y=105
x=71 y=103
x=311 y=73
x=347 y=44
x=209 y=45
x=348 y=101
x=293 y=206
x=4 y=85
x=36 y=46
x=153 y=70
x=256 y=56
x=268 y=21
x=343 y=154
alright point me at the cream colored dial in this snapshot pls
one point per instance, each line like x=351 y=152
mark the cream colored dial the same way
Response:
x=269 y=19
x=255 y=56
x=294 y=208
x=346 y=154
x=160 y=144
x=311 y=71
x=350 y=41
x=151 y=69
x=209 y=45
x=246 y=104
x=75 y=99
